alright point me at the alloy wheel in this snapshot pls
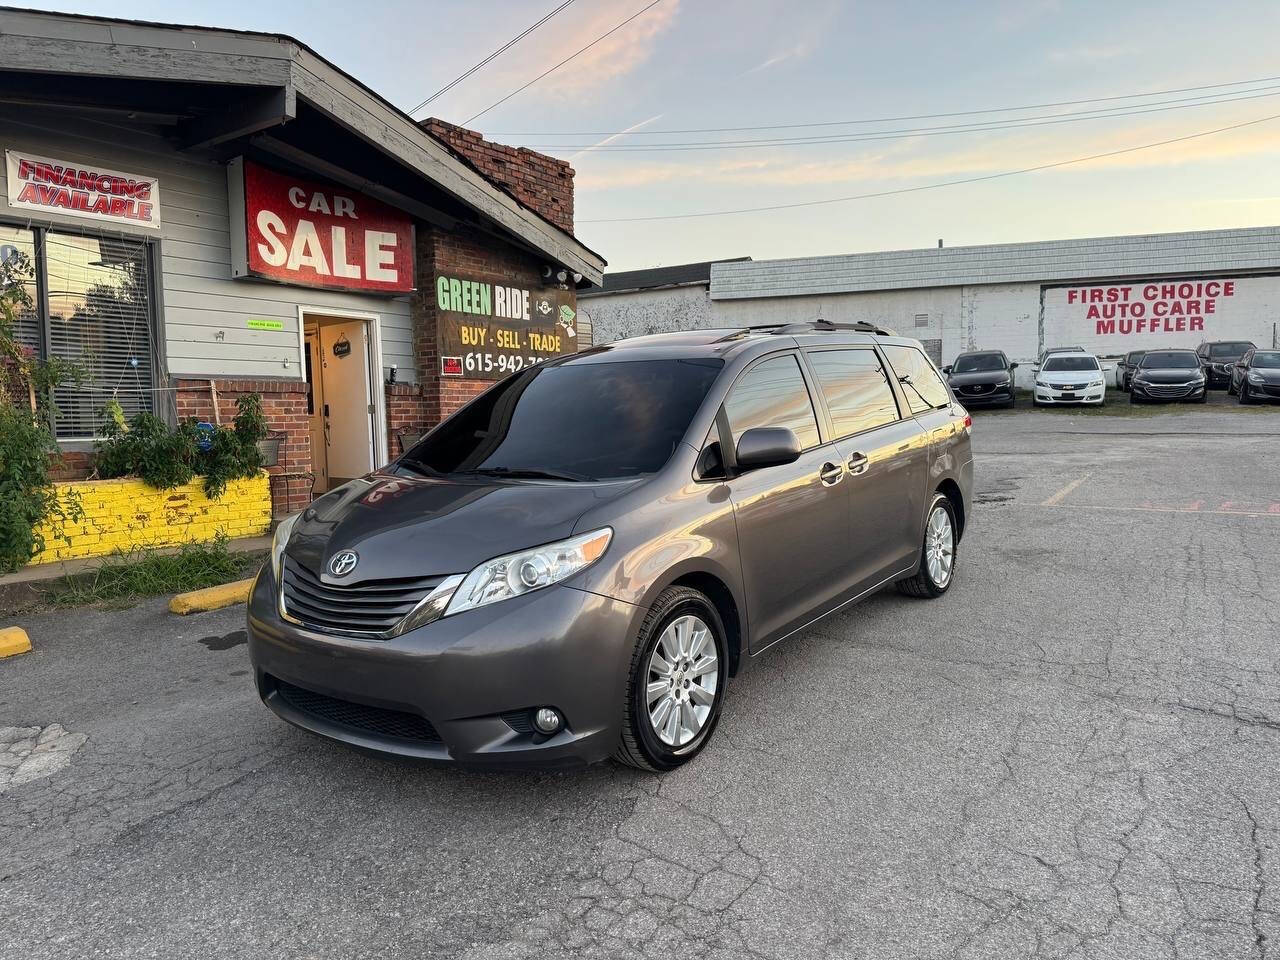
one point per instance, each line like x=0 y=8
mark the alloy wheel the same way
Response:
x=940 y=546
x=683 y=679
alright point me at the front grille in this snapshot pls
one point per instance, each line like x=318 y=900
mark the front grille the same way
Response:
x=1169 y=389
x=1069 y=387
x=368 y=608
x=978 y=389
x=395 y=724
x=520 y=721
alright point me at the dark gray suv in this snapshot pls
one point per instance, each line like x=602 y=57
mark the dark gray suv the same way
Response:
x=574 y=565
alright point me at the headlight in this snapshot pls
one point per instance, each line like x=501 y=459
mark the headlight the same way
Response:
x=279 y=542
x=1096 y=383
x=529 y=570
x=1041 y=383
x=1256 y=377
x=1002 y=383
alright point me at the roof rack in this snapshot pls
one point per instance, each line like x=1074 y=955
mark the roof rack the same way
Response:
x=807 y=326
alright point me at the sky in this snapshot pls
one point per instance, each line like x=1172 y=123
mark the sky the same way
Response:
x=690 y=65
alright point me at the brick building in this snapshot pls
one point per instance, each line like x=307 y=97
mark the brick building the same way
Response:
x=214 y=212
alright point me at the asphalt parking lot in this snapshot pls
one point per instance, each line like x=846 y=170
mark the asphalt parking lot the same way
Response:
x=1075 y=753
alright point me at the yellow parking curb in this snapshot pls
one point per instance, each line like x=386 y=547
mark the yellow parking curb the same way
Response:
x=13 y=641
x=211 y=598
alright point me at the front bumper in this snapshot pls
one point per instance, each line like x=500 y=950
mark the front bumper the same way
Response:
x=988 y=395
x=1172 y=391
x=461 y=688
x=1052 y=395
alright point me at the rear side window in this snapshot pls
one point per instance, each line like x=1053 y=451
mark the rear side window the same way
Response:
x=930 y=391
x=773 y=394
x=856 y=389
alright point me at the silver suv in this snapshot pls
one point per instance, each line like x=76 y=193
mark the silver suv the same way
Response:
x=576 y=564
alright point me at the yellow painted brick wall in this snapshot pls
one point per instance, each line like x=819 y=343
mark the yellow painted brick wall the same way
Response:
x=123 y=514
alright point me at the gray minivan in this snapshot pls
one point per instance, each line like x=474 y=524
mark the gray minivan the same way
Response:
x=575 y=564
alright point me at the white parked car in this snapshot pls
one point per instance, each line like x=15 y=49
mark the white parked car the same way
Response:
x=1070 y=378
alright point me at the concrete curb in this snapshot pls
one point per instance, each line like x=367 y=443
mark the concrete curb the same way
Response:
x=211 y=598
x=13 y=641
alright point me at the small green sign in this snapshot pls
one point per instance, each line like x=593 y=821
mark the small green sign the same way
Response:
x=261 y=323
x=566 y=313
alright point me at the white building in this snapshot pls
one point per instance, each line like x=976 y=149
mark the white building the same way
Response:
x=1108 y=294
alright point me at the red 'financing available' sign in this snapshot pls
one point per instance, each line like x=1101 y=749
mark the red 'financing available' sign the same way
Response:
x=317 y=235
x=85 y=190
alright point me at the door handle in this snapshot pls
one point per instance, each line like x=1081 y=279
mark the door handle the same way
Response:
x=858 y=463
x=831 y=473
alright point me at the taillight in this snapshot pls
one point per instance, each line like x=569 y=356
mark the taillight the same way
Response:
x=968 y=421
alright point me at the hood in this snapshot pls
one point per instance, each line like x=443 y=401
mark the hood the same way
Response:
x=1167 y=374
x=980 y=376
x=412 y=527
x=1069 y=376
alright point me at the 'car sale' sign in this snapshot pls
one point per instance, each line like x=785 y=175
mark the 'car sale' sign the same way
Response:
x=312 y=234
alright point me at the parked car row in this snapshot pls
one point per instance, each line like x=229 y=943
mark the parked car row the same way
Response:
x=1073 y=375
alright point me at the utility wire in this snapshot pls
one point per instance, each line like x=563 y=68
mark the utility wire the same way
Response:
x=545 y=73
x=493 y=56
x=918 y=116
x=1051 y=119
x=938 y=185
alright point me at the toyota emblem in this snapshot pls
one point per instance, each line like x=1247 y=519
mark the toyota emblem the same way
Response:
x=343 y=563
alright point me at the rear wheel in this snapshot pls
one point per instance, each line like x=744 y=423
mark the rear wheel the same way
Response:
x=677 y=681
x=937 y=553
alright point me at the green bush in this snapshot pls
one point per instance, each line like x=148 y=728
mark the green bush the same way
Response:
x=165 y=457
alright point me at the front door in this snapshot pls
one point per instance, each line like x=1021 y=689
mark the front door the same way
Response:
x=793 y=520
x=342 y=423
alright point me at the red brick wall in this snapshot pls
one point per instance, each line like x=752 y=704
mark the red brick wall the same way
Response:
x=284 y=403
x=543 y=184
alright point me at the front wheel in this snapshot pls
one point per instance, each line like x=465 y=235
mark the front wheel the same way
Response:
x=1244 y=396
x=937 y=553
x=677 y=681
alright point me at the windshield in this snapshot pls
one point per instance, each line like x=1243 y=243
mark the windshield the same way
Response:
x=1071 y=362
x=1229 y=351
x=573 y=421
x=978 y=363
x=1170 y=360
x=1267 y=359
x=1134 y=356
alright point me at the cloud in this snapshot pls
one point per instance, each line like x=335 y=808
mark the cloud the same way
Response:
x=613 y=57
x=616 y=136
x=797 y=51
x=921 y=159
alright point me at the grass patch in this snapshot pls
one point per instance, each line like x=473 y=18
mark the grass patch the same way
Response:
x=124 y=578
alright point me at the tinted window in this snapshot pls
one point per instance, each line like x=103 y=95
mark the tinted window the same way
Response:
x=856 y=389
x=979 y=363
x=1071 y=362
x=1234 y=351
x=1134 y=356
x=929 y=390
x=773 y=394
x=1170 y=360
x=1268 y=359
x=591 y=420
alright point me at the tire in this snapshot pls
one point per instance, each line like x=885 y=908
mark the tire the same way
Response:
x=923 y=583
x=1244 y=397
x=1231 y=387
x=1133 y=398
x=641 y=745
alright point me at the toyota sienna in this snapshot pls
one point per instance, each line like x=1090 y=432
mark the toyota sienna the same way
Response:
x=576 y=564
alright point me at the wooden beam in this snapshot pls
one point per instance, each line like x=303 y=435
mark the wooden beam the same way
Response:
x=261 y=111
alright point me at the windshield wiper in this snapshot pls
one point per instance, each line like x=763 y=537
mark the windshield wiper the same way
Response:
x=528 y=473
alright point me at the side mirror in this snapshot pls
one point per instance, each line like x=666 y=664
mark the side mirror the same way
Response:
x=767 y=447
x=947 y=369
x=1013 y=366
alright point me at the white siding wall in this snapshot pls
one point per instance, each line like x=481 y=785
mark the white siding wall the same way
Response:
x=620 y=315
x=201 y=300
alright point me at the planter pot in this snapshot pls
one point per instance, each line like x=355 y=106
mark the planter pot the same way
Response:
x=121 y=515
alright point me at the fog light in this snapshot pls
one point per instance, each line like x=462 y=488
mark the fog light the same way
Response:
x=547 y=720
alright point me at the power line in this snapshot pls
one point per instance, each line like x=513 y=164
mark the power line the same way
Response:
x=938 y=185
x=986 y=126
x=545 y=73
x=497 y=53
x=918 y=116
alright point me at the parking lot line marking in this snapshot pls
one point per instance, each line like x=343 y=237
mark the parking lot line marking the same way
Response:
x=1062 y=494
x=1180 y=511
